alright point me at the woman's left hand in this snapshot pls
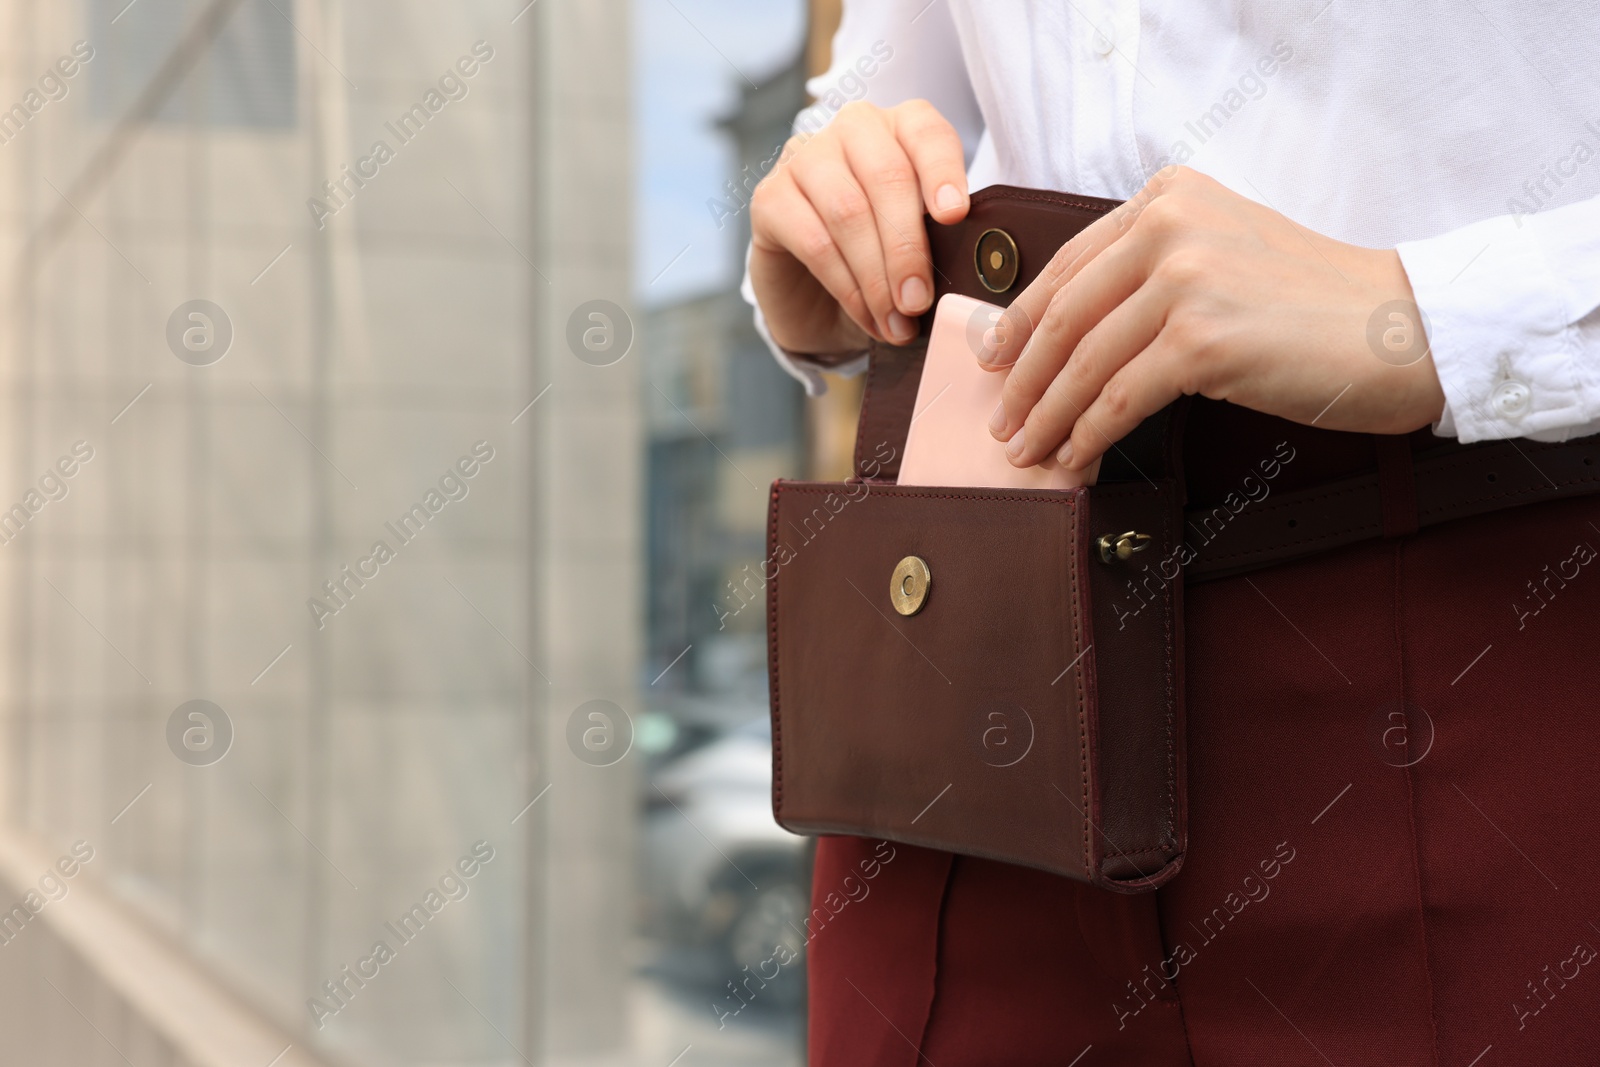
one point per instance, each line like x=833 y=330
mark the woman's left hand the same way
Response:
x=1191 y=288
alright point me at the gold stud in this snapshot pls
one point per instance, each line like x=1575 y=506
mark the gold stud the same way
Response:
x=997 y=260
x=909 y=585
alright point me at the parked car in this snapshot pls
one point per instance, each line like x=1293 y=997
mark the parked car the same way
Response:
x=720 y=875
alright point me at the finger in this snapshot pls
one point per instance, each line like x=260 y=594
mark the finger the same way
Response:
x=1076 y=308
x=935 y=151
x=1145 y=385
x=795 y=226
x=842 y=205
x=1129 y=329
x=1074 y=257
x=887 y=176
x=1002 y=324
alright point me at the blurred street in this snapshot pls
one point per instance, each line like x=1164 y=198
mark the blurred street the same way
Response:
x=382 y=437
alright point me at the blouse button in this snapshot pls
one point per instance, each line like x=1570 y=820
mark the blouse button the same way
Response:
x=1104 y=42
x=1511 y=398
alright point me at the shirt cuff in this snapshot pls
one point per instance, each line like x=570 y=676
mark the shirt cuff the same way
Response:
x=804 y=370
x=1502 y=336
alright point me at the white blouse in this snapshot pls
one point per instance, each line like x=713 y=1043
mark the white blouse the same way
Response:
x=1466 y=135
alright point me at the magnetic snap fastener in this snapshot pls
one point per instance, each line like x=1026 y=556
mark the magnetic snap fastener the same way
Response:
x=909 y=584
x=1511 y=398
x=997 y=260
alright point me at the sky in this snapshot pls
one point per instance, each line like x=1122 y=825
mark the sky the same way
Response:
x=690 y=57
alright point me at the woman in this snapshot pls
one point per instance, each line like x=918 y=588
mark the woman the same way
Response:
x=1302 y=179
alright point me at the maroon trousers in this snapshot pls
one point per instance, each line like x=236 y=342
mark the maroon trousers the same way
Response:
x=1393 y=842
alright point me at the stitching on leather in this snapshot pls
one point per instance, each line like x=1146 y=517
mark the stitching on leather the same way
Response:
x=772 y=655
x=1303 y=501
x=1168 y=849
x=1537 y=488
x=1067 y=497
x=1538 y=491
x=1366 y=485
x=1281 y=546
x=1175 y=589
x=1158 y=850
x=1058 y=496
x=1452 y=464
x=1010 y=194
x=1471 y=458
x=1083 y=726
x=1496 y=450
x=1117 y=492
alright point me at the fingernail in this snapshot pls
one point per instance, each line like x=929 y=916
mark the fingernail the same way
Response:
x=914 y=294
x=948 y=198
x=1014 y=446
x=997 y=421
x=901 y=328
x=1064 y=457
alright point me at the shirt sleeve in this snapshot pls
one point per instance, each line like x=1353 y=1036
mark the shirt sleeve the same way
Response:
x=1510 y=307
x=885 y=52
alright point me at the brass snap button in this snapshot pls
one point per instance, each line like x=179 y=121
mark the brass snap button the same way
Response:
x=1120 y=548
x=997 y=260
x=908 y=585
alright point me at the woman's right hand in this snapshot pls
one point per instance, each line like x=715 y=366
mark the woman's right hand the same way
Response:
x=839 y=254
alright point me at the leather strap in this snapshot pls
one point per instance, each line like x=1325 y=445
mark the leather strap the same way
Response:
x=1402 y=493
x=1451 y=482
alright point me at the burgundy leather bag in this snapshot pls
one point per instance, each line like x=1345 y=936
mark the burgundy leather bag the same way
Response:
x=1030 y=710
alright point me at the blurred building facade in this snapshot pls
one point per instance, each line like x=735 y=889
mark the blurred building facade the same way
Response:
x=195 y=504
x=724 y=421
